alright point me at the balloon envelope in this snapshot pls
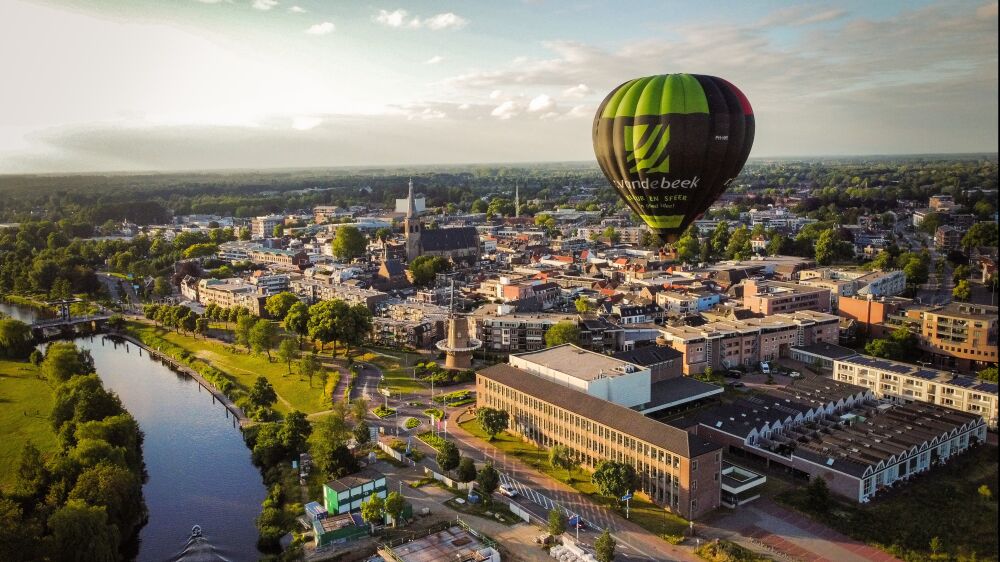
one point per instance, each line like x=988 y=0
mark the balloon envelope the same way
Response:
x=671 y=144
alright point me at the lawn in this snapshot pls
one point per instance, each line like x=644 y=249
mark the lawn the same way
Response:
x=643 y=512
x=401 y=381
x=25 y=404
x=294 y=390
x=943 y=503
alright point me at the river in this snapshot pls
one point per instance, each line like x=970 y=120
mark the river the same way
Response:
x=199 y=468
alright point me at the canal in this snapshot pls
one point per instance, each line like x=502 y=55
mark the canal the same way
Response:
x=199 y=469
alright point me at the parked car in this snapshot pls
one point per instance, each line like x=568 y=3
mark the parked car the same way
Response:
x=507 y=490
x=734 y=374
x=795 y=374
x=765 y=368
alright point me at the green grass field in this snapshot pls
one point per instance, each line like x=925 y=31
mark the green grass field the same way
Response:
x=645 y=513
x=294 y=391
x=943 y=503
x=25 y=404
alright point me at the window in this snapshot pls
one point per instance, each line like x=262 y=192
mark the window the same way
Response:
x=694 y=466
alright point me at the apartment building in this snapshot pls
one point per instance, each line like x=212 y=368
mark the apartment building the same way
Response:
x=505 y=331
x=315 y=291
x=913 y=383
x=726 y=344
x=678 y=471
x=285 y=258
x=948 y=238
x=775 y=297
x=236 y=251
x=686 y=303
x=959 y=335
x=820 y=428
x=263 y=227
x=228 y=293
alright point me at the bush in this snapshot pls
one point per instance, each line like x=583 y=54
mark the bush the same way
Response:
x=411 y=423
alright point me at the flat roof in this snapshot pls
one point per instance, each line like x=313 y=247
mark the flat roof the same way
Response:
x=826 y=350
x=676 y=391
x=454 y=543
x=920 y=372
x=577 y=362
x=359 y=478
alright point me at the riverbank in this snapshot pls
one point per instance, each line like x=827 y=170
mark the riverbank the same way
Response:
x=176 y=365
x=28 y=302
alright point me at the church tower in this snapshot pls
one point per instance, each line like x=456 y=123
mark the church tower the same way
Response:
x=412 y=226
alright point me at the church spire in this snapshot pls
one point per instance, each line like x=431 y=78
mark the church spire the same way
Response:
x=411 y=205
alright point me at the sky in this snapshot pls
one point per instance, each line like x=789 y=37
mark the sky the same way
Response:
x=141 y=85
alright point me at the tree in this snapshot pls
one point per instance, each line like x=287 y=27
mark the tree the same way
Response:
x=323 y=378
x=935 y=546
x=582 y=305
x=818 y=495
x=962 y=291
x=961 y=272
x=614 y=479
x=359 y=408
x=988 y=374
x=63 y=361
x=288 y=351
x=189 y=322
x=564 y=331
x=830 y=248
x=297 y=320
x=739 y=246
x=31 y=475
x=688 y=248
x=424 y=269
x=309 y=365
x=161 y=287
x=883 y=261
x=15 y=339
x=720 y=237
x=493 y=421
x=278 y=305
x=373 y=509
x=201 y=326
x=362 y=432
x=604 y=547
x=488 y=479
x=557 y=521
x=349 y=243
x=562 y=457
x=982 y=234
x=19 y=537
x=354 y=326
x=263 y=336
x=447 y=456
x=262 y=393
x=325 y=321
x=611 y=235
x=466 y=471
x=395 y=503
x=81 y=533
x=202 y=250
x=116 y=489
x=244 y=325
x=295 y=432
x=985 y=492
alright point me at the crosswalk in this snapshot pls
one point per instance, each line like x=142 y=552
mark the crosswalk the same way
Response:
x=544 y=501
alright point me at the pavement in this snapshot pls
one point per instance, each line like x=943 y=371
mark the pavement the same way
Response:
x=791 y=536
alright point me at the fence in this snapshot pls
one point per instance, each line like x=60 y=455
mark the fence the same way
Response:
x=520 y=512
x=450 y=482
x=395 y=454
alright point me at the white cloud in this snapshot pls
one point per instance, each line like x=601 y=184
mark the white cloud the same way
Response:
x=264 y=5
x=321 y=28
x=578 y=91
x=495 y=94
x=506 y=110
x=297 y=10
x=401 y=19
x=306 y=122
x=541 y=103
x=434 y=60
x=214 y=1
x=445 y=21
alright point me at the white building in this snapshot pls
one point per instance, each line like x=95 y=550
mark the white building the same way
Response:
x=904 y=382
x=263 y=227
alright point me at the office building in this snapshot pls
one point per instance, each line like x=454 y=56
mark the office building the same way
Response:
x=775 y=297
x=676 y=470
x=263 y=227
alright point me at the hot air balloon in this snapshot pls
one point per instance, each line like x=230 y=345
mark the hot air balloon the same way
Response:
x=671 y=144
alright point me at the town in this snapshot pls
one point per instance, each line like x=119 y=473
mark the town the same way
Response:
x=430 y=366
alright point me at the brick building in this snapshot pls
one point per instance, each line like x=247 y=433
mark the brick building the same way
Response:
x=677 y=470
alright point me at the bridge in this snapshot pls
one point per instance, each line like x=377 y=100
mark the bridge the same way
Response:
x=67 y=325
